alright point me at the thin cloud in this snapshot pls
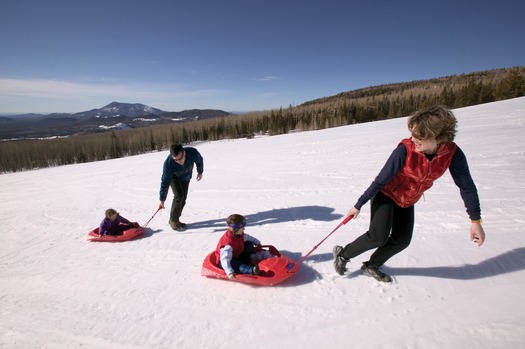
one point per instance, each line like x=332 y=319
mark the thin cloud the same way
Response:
x=57 y=89
x=269 y=78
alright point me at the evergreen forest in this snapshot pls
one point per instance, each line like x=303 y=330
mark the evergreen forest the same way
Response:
x=358 y=106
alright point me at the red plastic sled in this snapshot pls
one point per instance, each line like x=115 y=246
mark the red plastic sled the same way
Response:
x=274 y=270
x=126 y=235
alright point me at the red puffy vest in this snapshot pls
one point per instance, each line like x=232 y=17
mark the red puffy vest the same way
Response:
x=237 y=243
x=418 y=173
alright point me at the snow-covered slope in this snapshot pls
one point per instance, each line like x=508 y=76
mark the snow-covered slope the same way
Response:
x=59 y=291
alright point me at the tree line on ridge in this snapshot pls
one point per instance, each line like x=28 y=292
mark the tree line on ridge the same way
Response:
x=358 y=106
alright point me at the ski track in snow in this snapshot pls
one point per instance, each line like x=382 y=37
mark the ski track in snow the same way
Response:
x=59 y=291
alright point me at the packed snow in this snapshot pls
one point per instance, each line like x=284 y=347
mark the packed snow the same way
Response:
x=57 y=290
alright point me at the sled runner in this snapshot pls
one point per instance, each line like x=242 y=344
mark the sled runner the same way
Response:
x=274 y=270
x=126 y=235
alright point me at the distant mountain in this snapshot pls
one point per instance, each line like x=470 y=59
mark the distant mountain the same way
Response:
x=30 y=116
x=115 y=109
x=110 y=117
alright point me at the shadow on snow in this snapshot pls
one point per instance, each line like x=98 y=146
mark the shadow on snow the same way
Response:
x=505 y=263
x=280 y=215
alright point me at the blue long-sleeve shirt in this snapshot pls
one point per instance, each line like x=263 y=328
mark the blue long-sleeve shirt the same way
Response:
x=107 y=226
x=172 y=170
x=458 y=169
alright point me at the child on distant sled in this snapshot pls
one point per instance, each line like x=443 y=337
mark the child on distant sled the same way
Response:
x=237 y=252
x=114 y=224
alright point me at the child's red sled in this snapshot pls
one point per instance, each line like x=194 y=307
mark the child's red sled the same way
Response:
x=274 y=270
x=126 y=235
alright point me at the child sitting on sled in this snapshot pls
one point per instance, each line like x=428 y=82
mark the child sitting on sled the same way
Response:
x=238 y=252
x=114 y=224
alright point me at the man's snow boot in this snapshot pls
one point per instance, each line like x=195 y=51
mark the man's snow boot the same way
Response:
x=375 y=273
x=177 y=225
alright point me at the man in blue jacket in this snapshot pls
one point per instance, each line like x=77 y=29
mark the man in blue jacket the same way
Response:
x=177 y=172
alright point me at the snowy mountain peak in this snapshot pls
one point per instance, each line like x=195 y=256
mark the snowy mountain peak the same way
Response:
x=129 y=109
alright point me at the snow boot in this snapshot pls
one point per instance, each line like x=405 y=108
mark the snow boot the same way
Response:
x=177 y=225
x=375 y=273
x=339 y=261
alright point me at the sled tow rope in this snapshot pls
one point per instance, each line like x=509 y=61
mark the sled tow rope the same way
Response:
x=292 y=266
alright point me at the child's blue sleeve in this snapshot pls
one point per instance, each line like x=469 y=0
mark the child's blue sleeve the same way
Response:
x=103 y=229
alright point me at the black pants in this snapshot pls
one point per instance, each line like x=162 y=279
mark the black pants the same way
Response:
x=180 y=193
x=390 y=231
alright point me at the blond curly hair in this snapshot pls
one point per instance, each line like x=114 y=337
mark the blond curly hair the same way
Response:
x=437 y=122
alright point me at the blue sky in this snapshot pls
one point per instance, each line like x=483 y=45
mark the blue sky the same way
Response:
x=240 y=55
